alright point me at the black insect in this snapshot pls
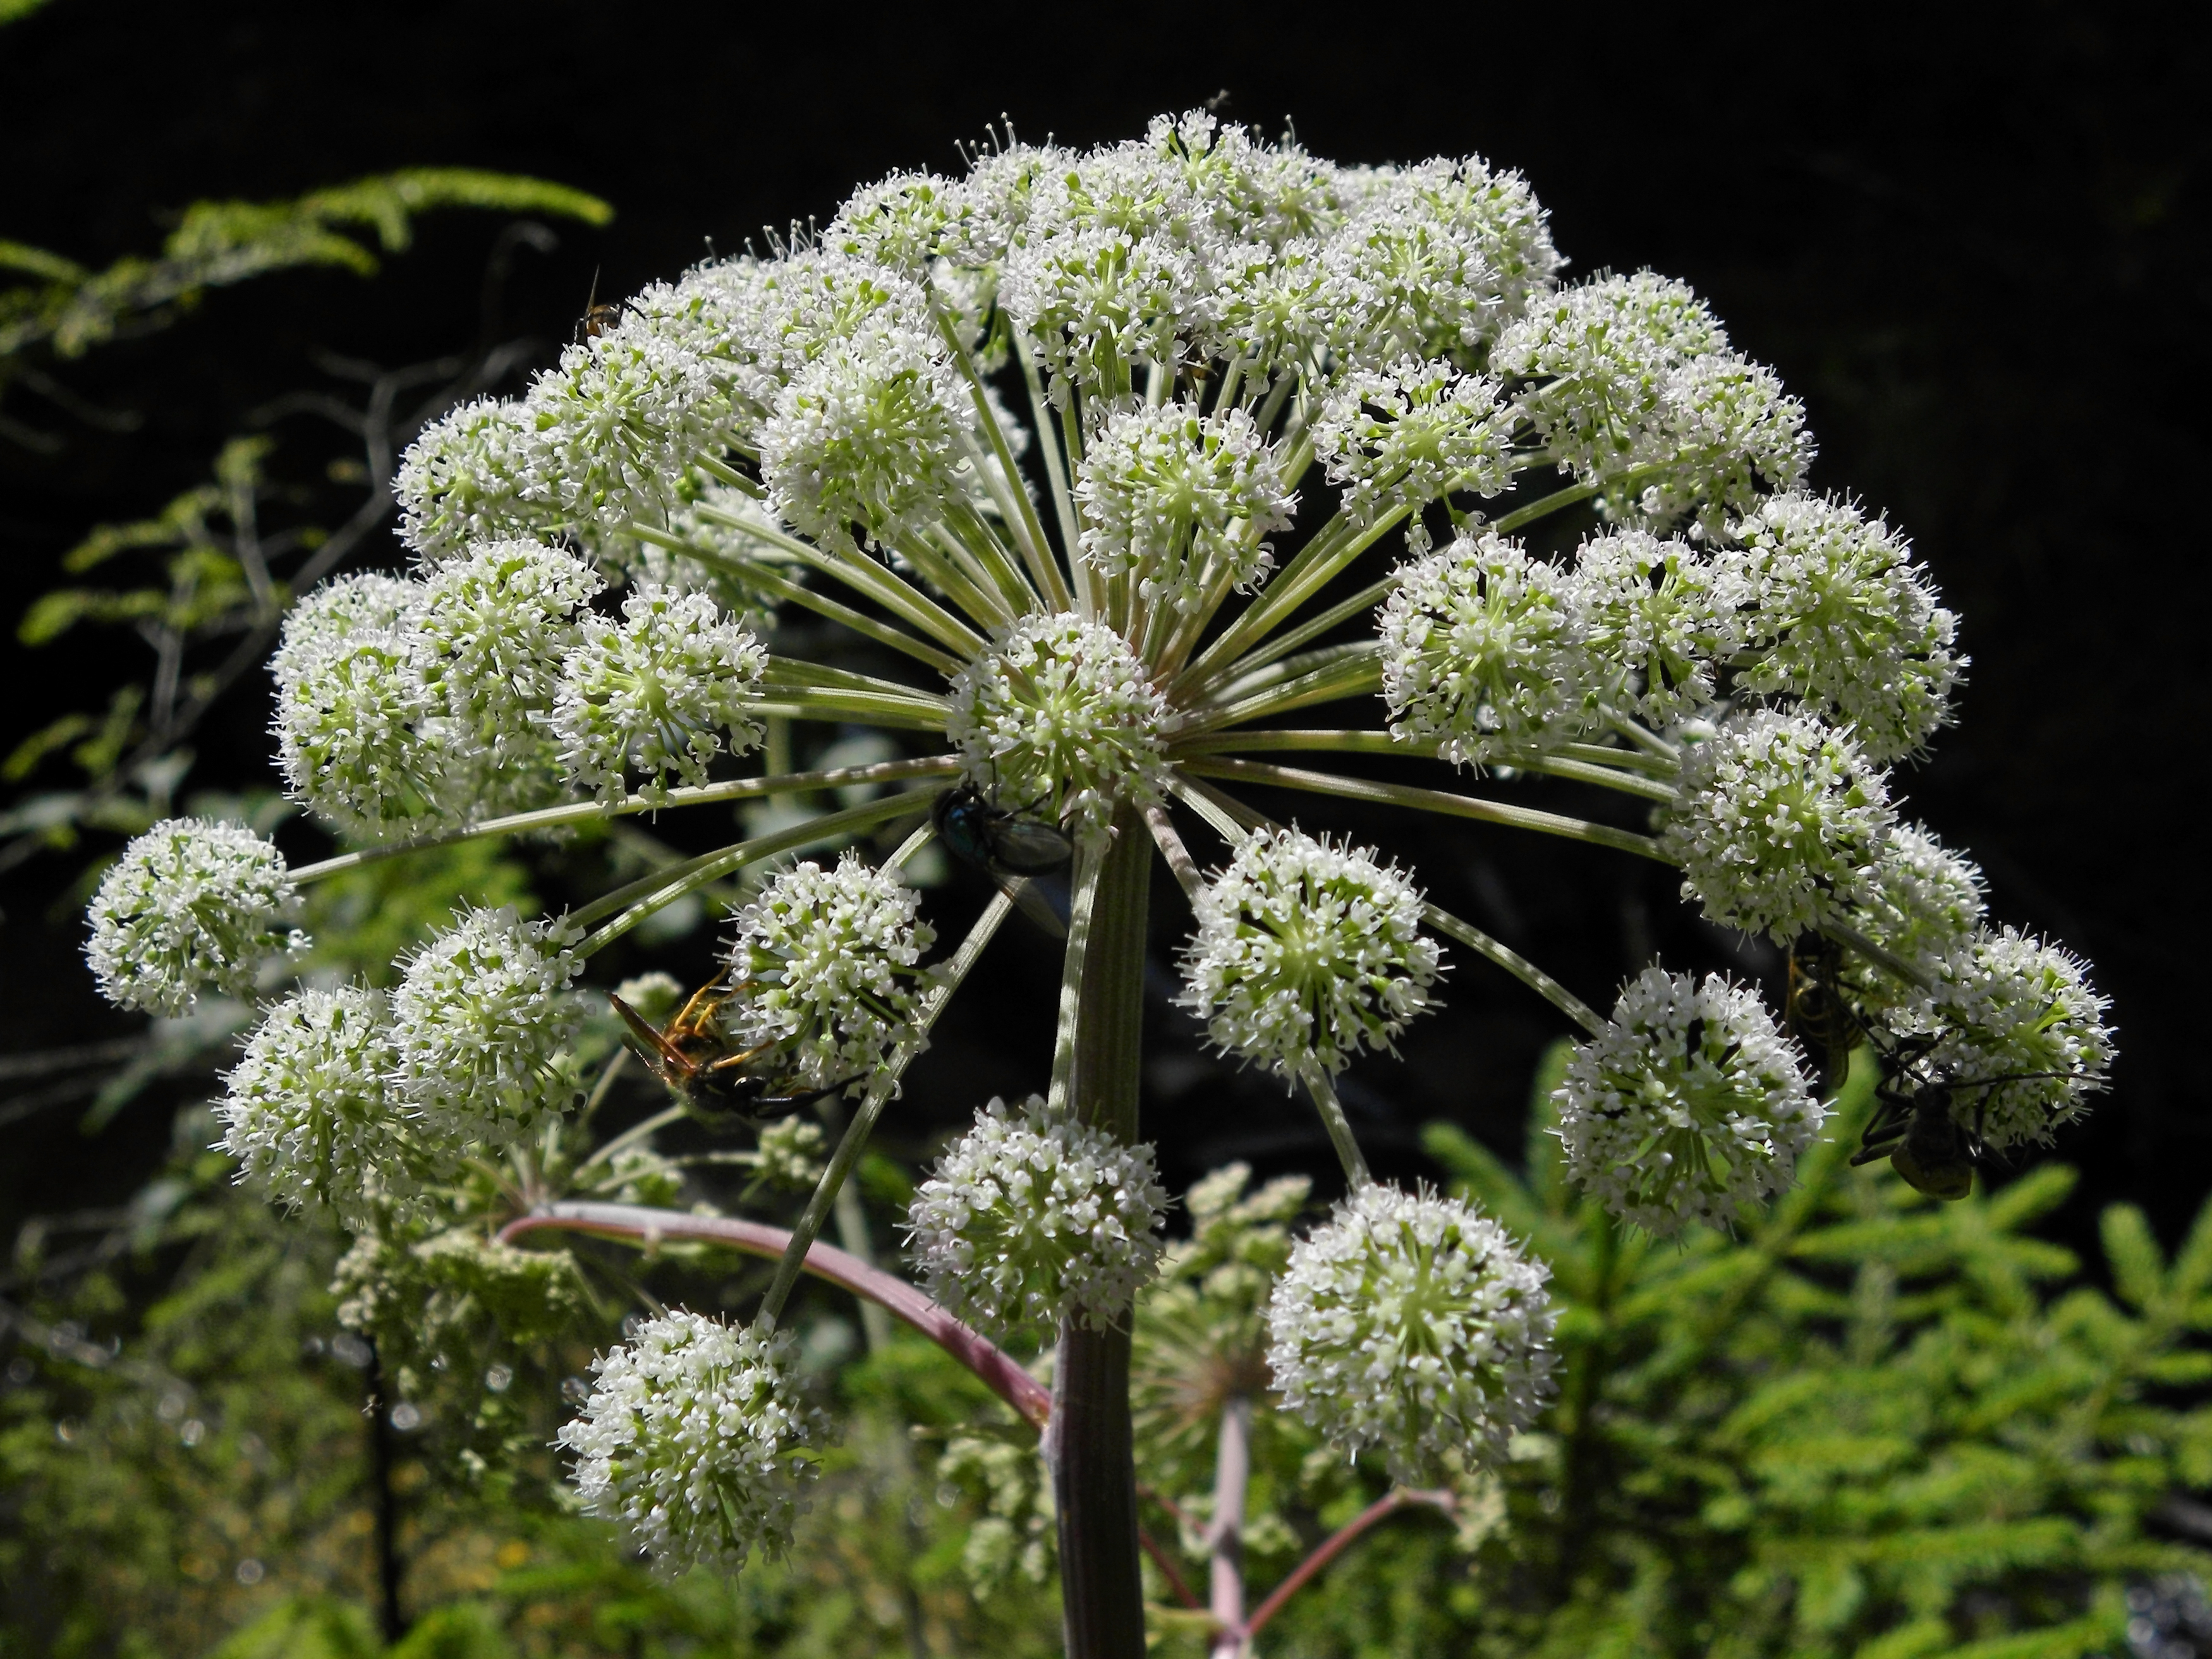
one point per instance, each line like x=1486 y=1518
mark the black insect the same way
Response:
x=1915 y=1122
x=1916 y=1130
x=1817 y=1013
x=1011 y=848
x=714 y=1080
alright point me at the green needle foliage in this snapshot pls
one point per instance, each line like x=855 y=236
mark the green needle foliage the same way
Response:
x=1871 y=1425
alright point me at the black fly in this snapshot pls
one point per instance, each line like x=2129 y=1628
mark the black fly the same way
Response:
x=1009 y=847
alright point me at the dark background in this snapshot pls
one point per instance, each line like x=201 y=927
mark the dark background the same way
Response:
x=1974 y=245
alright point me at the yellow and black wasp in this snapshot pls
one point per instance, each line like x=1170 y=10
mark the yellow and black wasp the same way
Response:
x=716 y=1080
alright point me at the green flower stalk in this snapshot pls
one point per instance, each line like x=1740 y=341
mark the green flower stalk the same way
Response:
x=1133 y=458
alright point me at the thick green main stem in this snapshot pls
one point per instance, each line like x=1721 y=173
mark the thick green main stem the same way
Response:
x=1093 y=1455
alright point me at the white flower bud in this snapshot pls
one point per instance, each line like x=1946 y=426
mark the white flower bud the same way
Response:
x=665 y=691
x=1778 y=822
x=1306 y=953
x=1726 y=434
x=2021 y=1041
x=1407 y=435
x=1062 y=716
x=309 y=1113
x=1413 y=1323
x=696 y=1437
x=1837 y=614
x=1181 y=499
x=1483 y=650
x=1692 y=1107
x=1035 y=1218
x=481 y=1022
x=825 y=964
x=189 y=904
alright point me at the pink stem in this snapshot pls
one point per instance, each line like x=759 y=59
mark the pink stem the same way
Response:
x=1333 y=1545
x=1028 y=1397
x=1176 y=1582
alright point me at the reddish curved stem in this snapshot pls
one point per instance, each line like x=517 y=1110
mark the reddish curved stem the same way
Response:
x=1000 y=1374
x=1337 y=1542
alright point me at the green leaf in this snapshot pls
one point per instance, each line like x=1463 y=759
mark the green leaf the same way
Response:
x=2138 y=1268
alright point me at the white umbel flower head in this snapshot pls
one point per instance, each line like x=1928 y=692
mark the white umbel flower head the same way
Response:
x=1404 y=435
x=1063 y=717
x=1183 y=500
x=696 y=1437
x=825 y=960
x=668 y=690
x=487 y=636
x=481 y=1022
x=1651 y=608
x=358 y=735
x=1778 y=822
x=2022 y=1040
x=1727 y=434
x=867 y=434
x=1837 y=615
x=1596 y=357
x=619 y=423
x=1413 y=1323
x=463 y=480
x=1692 y=1107
x=309 y=1113
x=1033 y=1217
x=1483 y=652
x=1922 y=903
x=188 y=905
x=1433 y=261
x=1306 y=953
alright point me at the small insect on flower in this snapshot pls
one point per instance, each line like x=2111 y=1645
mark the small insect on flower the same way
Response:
x=1008 y=846
x=716 y=1081
x=1817 y=1013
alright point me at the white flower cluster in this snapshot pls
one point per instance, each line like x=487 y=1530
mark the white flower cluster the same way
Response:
x=696 y=1437
x=1414 y=1323
x=309 y=1112
x=489 y=685
x=1483 y=652
x=1654 y=623
x=1032 y=1218
x=824 y=961
x=1062 y=716
x=2020 y=1038
x=1778 y=823
x=350 y=710
x=481 y=1022
x=1631 y=385
x=1306 y=953
x=790 y=1153
x=1691 y=1107
x=1182 y=501
x=666 y=691
x=1922 y=903
x=188 y=905
x=1404 y=435
x=1836 y=615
